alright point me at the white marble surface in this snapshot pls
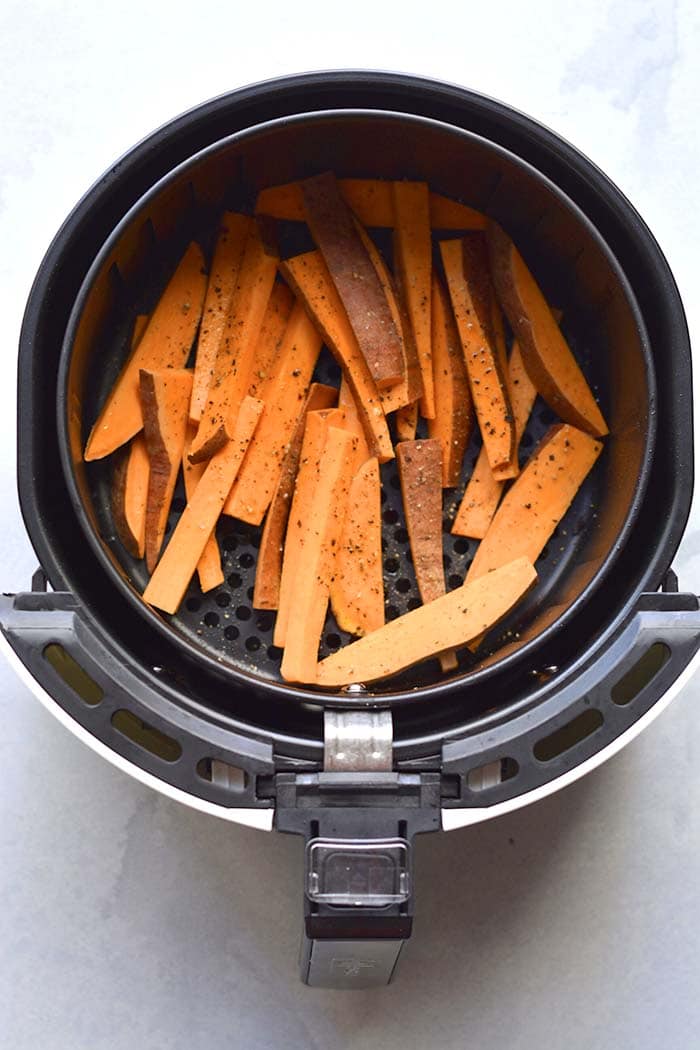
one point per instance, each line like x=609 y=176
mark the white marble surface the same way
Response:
x=129 y=921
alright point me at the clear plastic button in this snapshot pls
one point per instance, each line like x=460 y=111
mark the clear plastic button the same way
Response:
x=354 y=873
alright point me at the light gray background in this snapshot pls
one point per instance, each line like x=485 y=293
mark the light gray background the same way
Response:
x=130 y=921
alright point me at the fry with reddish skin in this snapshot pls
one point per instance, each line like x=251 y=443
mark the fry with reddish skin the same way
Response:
x=283 y=393
x=221 y=285
x=538 y=499
x=454 y=412
x=209 y=565
x=357 y=587
x=370 y=200
x=165 y=343
x=268 y=571
x=308 y=275
x=322 y=527
x=165 y=401
x=409 y=387
x=175 y=569
x=420 y=471
x=450 y=621
x=234 y=364
x=466 y=268
x=547 y=357
x=129 y=496
x=413 y=255
x=333 y=228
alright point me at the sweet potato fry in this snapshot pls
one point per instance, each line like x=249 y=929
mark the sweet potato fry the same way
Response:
x=352 y=422
x=277 y=314
x=235 y=356
x=175 y=569
x=409 y=387
x=283 y=393
x=221 y=285
x=454 y=412
x=413 y=255
x=406 y=421
x=466 y=268
x=322 y=525
x=165 y=399
x=420 y=471
x=129 y=496
x=355 y=278
x=450 y=621
x=357 y=586
x=140 y=326
x=538 y=499
x=209 y=565
x=483 y=492
x=309 y=277
x=370 y=200
x=308 y=474
x=549 y=362
x=165 y=343
x=268 y=571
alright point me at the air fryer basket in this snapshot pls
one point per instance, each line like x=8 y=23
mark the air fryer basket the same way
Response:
x=154 y=697
x=602 y=321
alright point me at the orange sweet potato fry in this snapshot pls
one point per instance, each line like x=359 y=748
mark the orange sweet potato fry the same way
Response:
x=277 y=314
x=167 y=586
x=357 y=586
x=268 y=572
x=413 y=253
x=448 y=622
x=221 y=285
x=283 y=393
x=466 y=268
x=322 y=527
x=165 y=343
x=234 y=364
x=454 y=412
x=538 y=499
x=209 y=565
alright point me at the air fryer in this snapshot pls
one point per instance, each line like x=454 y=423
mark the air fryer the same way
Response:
x=194 y=704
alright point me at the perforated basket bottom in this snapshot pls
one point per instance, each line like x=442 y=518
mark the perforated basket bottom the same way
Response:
x=224 y=623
